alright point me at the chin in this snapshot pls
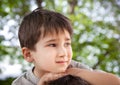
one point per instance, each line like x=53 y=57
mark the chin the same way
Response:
x=60 y=70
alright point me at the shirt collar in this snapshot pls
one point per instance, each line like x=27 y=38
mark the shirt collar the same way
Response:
x=32 y=77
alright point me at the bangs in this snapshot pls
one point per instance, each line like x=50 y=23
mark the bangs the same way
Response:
x=50 y=31
x=55 y=24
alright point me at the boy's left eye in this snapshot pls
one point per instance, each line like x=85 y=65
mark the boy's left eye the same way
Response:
x=67 y=44
x=55 y=45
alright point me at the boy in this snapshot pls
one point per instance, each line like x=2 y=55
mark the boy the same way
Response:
x=45 y=39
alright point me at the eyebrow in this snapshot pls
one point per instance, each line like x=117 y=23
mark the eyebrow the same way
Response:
x=53 y=40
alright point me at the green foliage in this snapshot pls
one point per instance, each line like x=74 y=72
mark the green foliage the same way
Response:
x=8 y=81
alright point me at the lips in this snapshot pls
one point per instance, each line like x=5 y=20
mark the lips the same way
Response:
x=61 y=61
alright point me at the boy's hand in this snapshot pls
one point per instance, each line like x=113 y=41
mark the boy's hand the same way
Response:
x=49 y=77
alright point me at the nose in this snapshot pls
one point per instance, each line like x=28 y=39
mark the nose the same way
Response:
x=62 y=52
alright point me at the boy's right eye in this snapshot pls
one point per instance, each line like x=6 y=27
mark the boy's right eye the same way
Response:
x=52 y=45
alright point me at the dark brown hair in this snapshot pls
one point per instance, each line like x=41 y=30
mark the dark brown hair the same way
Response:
x=39 y=23
x=68 y=80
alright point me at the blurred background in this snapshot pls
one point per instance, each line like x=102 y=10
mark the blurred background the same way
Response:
x=96 y=40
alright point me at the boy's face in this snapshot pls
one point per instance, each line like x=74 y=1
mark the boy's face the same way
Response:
x=53 y=53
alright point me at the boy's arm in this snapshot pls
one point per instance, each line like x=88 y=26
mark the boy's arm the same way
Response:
x=95 y=77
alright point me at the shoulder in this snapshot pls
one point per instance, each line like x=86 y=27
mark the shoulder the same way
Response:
x=79 y=65
x=18 y=81
x=22 y=80
x=27 y=78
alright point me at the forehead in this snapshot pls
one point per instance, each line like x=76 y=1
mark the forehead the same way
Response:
x=54 y=34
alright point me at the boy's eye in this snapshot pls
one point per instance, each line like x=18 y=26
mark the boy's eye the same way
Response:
x=52 y=45
x=67 y=44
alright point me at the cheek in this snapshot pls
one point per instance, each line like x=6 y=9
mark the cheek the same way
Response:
x=48 y=56
x=70 y=52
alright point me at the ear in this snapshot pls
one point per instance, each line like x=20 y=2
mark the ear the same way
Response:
x=27 y=54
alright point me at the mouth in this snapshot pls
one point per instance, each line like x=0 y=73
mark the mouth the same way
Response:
x=61 y=62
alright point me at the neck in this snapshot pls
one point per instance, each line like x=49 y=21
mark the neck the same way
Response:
x=38 y=73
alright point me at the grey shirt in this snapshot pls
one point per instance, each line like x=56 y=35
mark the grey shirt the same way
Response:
x=28 y=78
